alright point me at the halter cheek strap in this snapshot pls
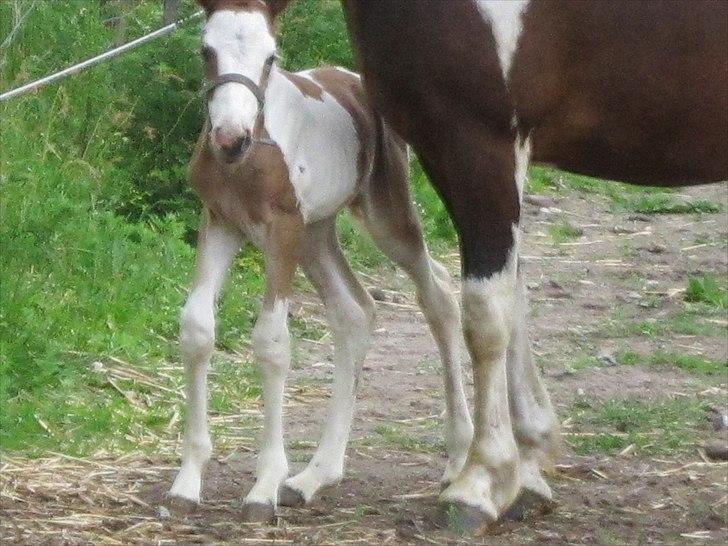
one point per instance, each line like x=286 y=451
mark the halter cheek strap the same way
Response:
x=258 y=91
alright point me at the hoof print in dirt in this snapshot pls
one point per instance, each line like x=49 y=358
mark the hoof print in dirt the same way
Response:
x=178 y=506
x=462 y=518
x=528 y=505
x=287 y=496
x=258 y=512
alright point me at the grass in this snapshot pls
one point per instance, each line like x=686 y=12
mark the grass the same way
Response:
x=690 y=363
x=661 y=427
x=707 y=289
x=395 y=436
x=623 y=197
x=97 y=228
x=563 y=232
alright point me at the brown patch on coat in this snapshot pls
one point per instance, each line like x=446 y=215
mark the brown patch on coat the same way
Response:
x=382 y=164
x=307 y=87
x=632 y=91
x=255 y=189
x=431 y=69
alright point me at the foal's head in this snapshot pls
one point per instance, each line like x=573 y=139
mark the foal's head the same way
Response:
x=237 y=39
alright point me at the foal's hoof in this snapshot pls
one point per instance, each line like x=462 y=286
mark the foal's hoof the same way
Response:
x=180 y=506
x=529 y=503
x=258 y=512
x=462 y=518
x=287 y=496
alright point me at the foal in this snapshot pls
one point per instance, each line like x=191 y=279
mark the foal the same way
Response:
x=280 y=156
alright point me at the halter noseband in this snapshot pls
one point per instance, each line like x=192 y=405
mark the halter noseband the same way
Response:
x=257 y=89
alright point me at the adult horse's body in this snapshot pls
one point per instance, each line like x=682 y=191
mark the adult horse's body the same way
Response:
x=632 y=90
x=636 y=91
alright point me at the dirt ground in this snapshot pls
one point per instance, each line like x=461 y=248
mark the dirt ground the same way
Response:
x=622 y=268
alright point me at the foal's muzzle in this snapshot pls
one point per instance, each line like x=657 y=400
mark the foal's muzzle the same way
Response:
x=232 y=146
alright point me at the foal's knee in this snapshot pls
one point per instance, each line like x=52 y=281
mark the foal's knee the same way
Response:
x=197 y=329
x=270 y=338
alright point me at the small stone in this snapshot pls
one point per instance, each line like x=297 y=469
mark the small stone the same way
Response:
x=540 y=201
x=720 y=421
x=607 y=357
x=377 y=294
x=580 y=392
x=164 y=513
x=97 y=366
x=656 y=249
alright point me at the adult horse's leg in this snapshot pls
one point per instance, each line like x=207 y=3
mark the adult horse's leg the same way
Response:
x=271 y=343
x=481 y=190
x=535 y=423
x=350 y=312
x=217 y=246
x=386 y=208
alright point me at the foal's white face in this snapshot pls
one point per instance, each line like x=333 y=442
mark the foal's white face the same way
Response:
x=239 y=42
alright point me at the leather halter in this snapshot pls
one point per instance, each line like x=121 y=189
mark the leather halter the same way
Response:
x=257 y=89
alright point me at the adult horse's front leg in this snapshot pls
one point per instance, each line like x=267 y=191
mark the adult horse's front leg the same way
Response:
x=271 y=344
x=482 y=195
x=216 y=248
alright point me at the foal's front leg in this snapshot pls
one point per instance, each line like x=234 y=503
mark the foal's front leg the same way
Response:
x=217 y=246
x=271 y=344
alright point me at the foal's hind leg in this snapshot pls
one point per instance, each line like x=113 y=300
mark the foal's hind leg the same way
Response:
x=350 y=312
x=386 y=208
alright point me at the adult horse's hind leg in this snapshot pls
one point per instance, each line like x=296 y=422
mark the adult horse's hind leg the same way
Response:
x=535 y=423
x=216 y=247
x=385 y=206
x=350 y=312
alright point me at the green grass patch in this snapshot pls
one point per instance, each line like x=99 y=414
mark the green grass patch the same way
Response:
x=690 y=363
x=624 y=197
x=661 y=427
x=563 y=232
x=394 y=436
x=706 y=289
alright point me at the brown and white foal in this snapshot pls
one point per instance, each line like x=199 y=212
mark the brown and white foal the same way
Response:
x=280 y=156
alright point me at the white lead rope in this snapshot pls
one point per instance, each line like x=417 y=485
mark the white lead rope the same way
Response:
x=32 y=86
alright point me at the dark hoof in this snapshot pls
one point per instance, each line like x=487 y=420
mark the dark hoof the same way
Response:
x=287 y=496
x=180 y=506
x=257 y=512
x=529 y=504
x=462 y=518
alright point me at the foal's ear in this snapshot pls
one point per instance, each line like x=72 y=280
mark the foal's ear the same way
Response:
x=207 y=5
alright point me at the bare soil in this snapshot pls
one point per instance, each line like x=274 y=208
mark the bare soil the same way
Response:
x=623 y=268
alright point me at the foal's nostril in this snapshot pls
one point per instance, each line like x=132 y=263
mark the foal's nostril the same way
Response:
x=231 y=144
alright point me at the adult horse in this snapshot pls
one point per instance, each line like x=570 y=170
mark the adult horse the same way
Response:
x=634 y=91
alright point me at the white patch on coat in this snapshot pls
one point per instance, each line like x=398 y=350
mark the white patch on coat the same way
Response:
x=242 y=42
x=319 y=143
x=505 y=18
